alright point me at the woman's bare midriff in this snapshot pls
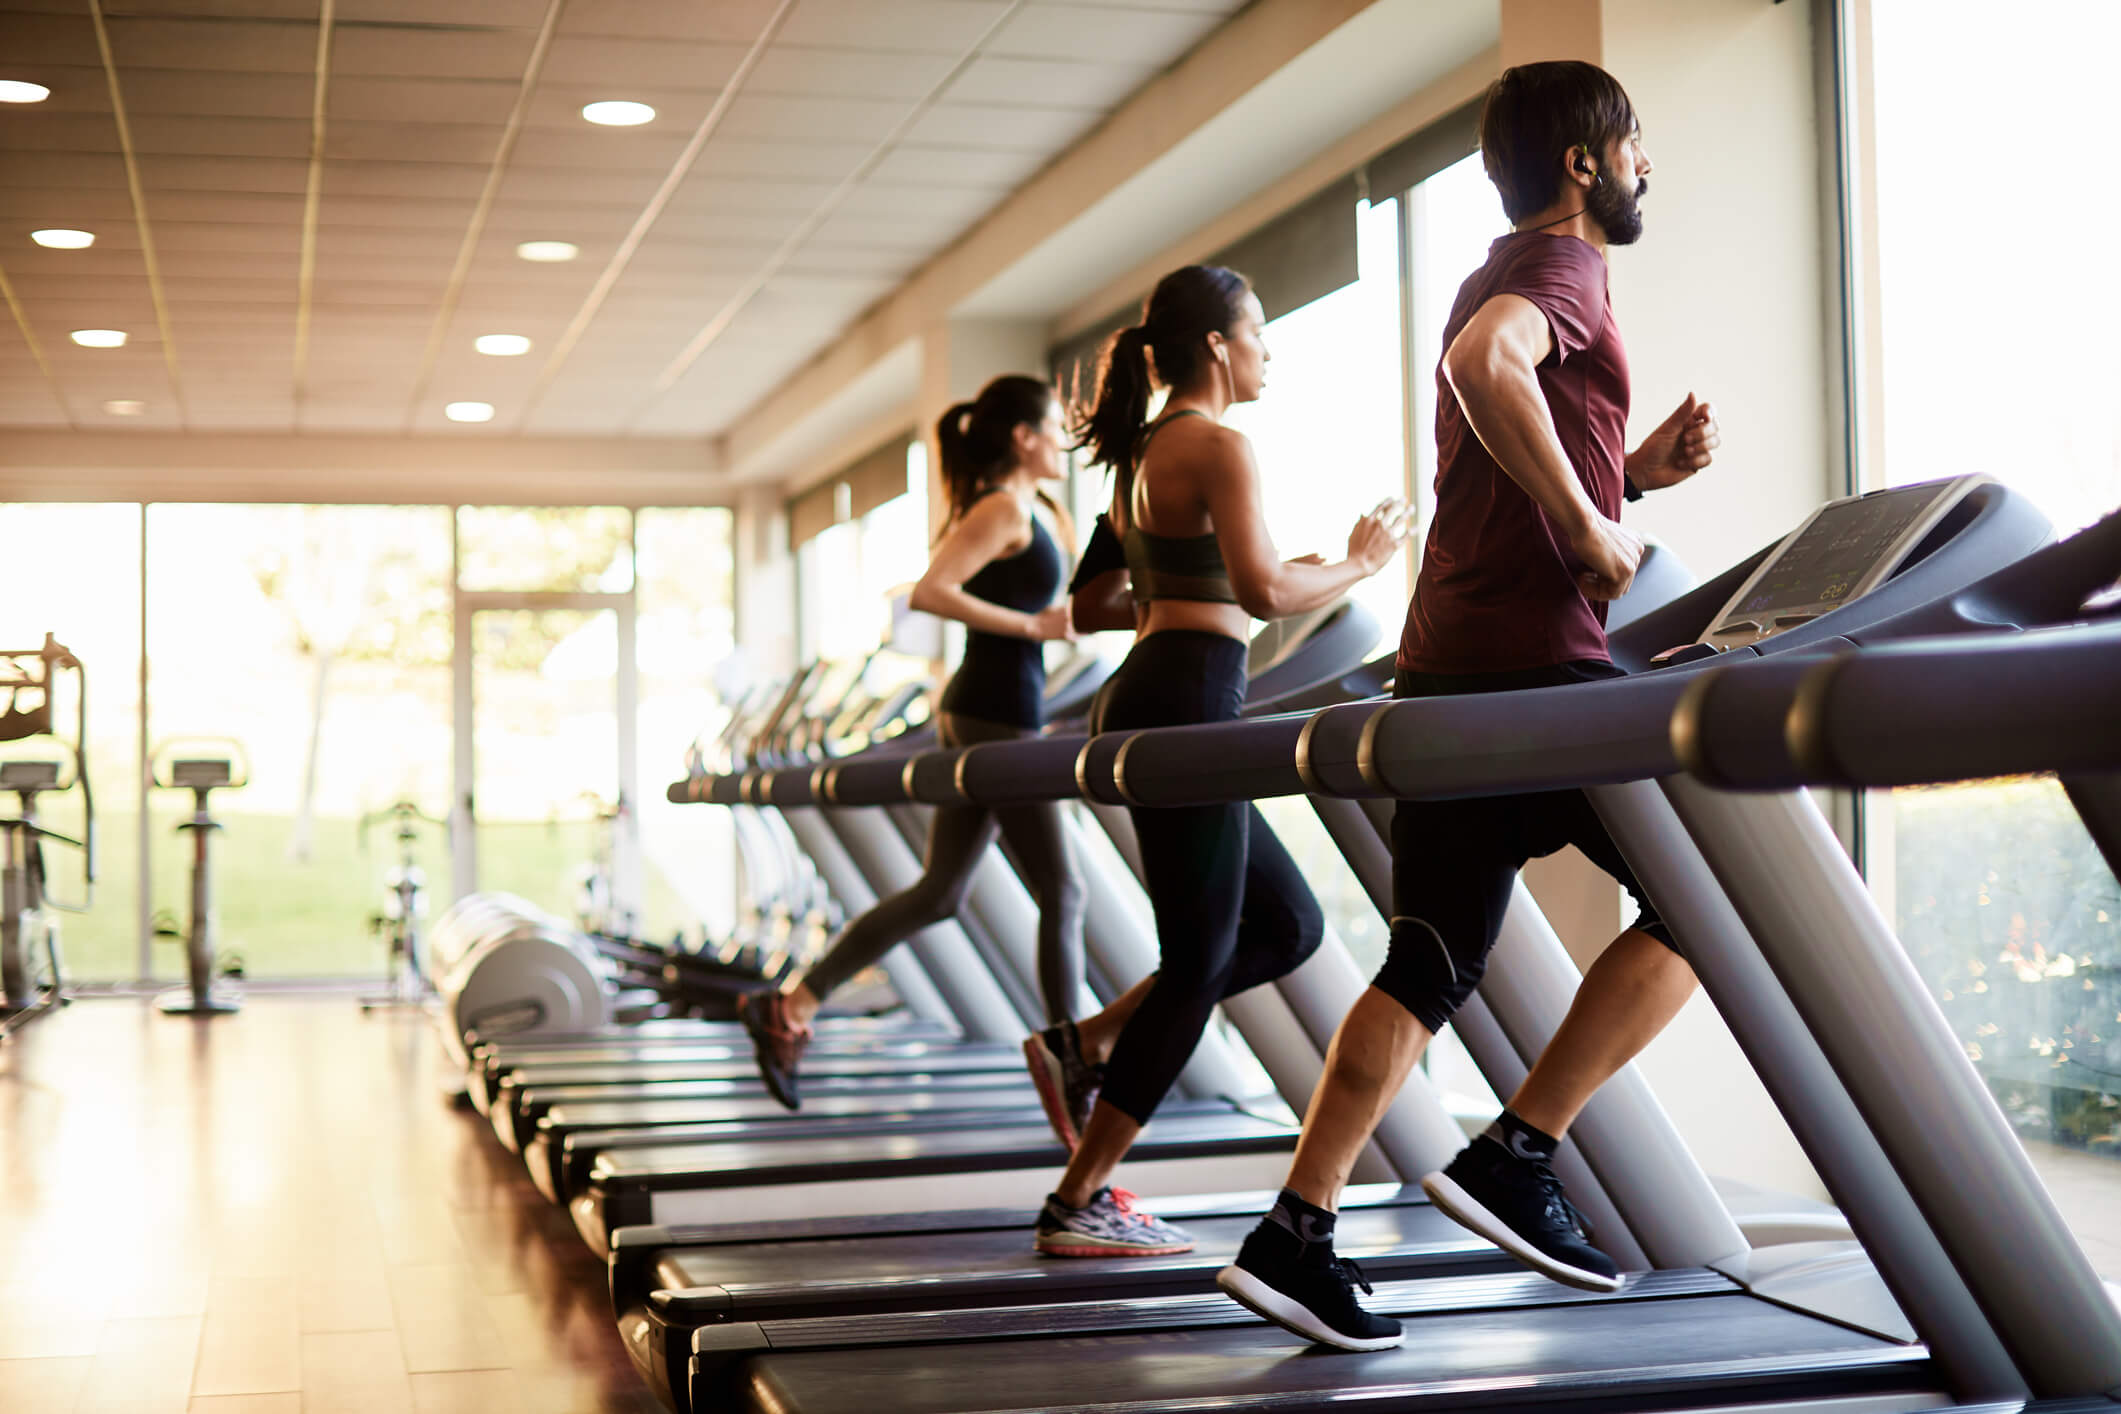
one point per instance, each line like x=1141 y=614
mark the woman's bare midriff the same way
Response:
x=1199 y=616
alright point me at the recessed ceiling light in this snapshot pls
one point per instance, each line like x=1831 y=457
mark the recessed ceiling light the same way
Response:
x=469 y=412
x=64 y=240
x=615 y=114
x=125 y=407
x=548 y=251
x=16 y=91
x=501 y=345
x=99 y=338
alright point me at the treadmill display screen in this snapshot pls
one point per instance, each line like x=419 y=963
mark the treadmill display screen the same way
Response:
x=1835 y=552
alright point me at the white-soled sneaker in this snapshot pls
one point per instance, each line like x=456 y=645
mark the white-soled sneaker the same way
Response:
x=1108 y=1226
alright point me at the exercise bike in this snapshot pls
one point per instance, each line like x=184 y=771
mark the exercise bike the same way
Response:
x=202 y=775
x=404 y=908
x=32 y=977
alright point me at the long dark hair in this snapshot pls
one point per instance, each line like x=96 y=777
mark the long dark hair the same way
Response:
x=976 y=441
x=1187 y=305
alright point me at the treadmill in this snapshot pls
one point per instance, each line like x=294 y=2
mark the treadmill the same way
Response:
x=1781 y=1323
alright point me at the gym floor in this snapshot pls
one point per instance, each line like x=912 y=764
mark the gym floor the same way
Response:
x=276 y=1213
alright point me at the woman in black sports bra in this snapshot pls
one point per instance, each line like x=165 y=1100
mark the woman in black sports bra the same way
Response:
x=996 y=570
x=1232 y=909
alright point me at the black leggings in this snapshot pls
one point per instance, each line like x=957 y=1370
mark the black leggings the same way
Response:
x=1232 y=909
x=1455 y=862
x=957 y=842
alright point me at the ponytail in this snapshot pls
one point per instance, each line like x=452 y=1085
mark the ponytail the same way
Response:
x=1112 y=426
x=1188 y=304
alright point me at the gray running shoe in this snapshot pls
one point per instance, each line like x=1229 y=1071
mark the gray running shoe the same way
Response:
x=1067 y=1083
x=1110 y=1226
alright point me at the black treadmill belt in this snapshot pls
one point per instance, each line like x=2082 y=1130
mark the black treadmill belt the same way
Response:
x=996 y=1266
x=507 y=1059
x=621 y=1114
x=543 y=1097
x=1616 y=1353
x=825 y=1068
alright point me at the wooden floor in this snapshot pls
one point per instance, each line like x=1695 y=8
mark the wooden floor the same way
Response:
x=276 y=1212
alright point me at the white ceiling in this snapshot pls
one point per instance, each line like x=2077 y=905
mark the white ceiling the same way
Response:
x=806 y=156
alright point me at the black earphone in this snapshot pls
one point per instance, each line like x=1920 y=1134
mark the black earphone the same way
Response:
x=1583 y=164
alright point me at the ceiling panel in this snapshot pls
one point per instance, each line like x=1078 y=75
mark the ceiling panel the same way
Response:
x=425 y=142
x=602 y=149
x=54 y=172
x=948 y=166
x=508 y=14
x=1041 y=131
x=222 y=9
x=160 y=173
x=735 y=22
x=620 y=64
x=730 y=156
x=798 y=70
x=222 y=238
x=428 y=51
x=222 y=46
x=34 y=131
x=35 y=43
x=1044 y=30
x=153 y=93
x=460 y=180
x=1050 y=83
x=906 y=26
x=363 y=98
x=853 y=121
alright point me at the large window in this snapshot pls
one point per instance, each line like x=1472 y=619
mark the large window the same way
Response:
x=1985 y=355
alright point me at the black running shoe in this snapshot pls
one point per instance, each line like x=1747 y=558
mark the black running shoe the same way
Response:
x=1517 y=1203
x=1067 y=1083
x=1306 y=1290
x=776 y=1042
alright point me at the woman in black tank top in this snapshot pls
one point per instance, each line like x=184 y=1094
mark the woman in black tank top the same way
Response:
x=996 y=570
x=1232 y=908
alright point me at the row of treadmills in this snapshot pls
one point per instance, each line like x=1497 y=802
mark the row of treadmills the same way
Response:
x=872 y=1252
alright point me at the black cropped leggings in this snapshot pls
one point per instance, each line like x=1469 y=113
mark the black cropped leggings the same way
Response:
x=957 y=842
x=1232 y=909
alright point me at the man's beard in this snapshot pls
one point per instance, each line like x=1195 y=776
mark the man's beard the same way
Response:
x=1616 y=211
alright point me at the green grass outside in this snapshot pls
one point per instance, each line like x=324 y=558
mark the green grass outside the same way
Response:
x=296 y=919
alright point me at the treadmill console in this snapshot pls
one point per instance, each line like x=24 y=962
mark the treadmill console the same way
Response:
x=200 y=775
x=1841 y=552
x=29 y=775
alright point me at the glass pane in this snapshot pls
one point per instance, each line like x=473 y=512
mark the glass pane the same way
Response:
x=545 y=764
x=579 y=549
x=2002 y=899
x=74 y=572
x=2013 y=918
x=1327 y=431
x=687 y=573
x=315 y=642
